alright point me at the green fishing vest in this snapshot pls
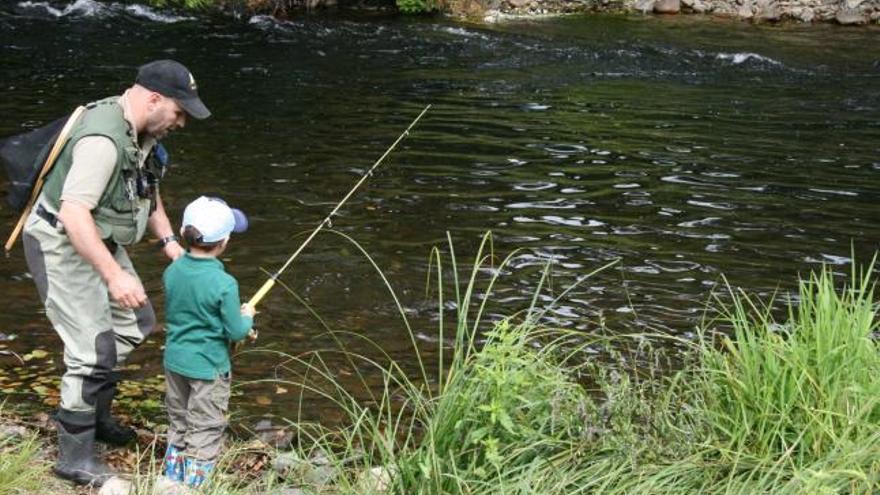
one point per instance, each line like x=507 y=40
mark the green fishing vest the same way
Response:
x=121 y=215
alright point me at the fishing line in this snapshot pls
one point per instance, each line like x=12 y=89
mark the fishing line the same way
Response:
x=328 y=221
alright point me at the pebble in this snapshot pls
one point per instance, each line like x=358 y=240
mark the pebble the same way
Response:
x=12 y=431
x=165 y=486
x=115 y=486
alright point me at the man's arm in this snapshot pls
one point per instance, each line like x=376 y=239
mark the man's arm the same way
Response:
x=160 y=226
x=83 y=234
x=94 y=159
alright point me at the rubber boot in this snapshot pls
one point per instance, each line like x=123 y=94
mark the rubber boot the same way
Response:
x=77 y=461
x=174 y=463
x=108 y=430
x=197 y=471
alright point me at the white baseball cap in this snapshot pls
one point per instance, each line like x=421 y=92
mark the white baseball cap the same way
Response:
x=214 y=219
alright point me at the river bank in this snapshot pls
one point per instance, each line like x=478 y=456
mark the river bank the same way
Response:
x=847 y=12
x=844 y=12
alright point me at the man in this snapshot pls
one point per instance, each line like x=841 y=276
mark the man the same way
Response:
x=101 y=196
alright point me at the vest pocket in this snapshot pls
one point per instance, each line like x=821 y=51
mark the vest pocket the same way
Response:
x=123 y=227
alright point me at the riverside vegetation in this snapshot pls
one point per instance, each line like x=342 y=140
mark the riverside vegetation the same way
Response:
x=756 y=402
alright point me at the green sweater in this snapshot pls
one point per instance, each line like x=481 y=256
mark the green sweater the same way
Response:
x=203 y=314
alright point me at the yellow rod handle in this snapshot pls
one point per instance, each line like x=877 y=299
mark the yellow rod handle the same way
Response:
x=262 y=292
x=17 y=230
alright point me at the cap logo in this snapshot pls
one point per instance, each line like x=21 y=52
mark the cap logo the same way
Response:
x=192 y=82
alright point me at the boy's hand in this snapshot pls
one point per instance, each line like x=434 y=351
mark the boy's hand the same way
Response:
x=248 y=310
x=252 y=335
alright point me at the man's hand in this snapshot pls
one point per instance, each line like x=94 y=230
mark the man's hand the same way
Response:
x=252 y=335
x=126 y=290
x=248 y=310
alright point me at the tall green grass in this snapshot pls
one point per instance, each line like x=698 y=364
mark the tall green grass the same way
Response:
x=758 y=406
x=800 y=397
x=21 y=468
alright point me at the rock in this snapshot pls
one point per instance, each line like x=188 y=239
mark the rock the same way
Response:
x=286 y=462
x=317 y=471
x=165 y=486
x=803 y=14
x=492 y=16
x=375 y=479
x=850 y=17
x=667 y=6
x=517 y=4
x=698 y=7
x=319 y=476
x=12 y=431
x=273 y=435
x=745 y=10
x=115 y=486
x=644 y=6
x=767 y=11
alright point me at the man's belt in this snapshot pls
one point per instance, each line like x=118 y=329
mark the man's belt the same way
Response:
x=52 y=219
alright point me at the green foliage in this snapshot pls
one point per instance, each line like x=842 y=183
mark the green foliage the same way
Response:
x=20 y=469
x=506 y=406
x=416 y=6
x=801 y=392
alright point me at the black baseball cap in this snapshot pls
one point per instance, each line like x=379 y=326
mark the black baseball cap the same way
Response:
x=172 y=79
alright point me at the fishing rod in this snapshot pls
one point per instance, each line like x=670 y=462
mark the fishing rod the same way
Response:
x=327 y=221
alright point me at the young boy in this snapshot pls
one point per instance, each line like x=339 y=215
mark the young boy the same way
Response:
x=204 y=315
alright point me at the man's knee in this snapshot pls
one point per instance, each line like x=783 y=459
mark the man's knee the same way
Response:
x=101 y=373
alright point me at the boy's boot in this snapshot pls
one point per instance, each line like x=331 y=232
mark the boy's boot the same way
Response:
x=76 y=450
x=108 y=430
x=174 y=463
x=197 y=471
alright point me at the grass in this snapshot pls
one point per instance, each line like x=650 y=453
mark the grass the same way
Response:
x=21 y=467
x=761 y=407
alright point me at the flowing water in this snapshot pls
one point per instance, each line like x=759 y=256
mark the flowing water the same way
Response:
x=687 y=147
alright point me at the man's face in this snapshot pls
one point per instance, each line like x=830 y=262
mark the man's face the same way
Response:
x=163 y=116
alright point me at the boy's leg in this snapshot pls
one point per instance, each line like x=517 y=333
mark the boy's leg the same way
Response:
x=176 y=398
x=206 y=421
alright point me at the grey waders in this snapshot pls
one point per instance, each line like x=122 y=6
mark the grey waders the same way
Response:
x=77 y=461
x=107 y=429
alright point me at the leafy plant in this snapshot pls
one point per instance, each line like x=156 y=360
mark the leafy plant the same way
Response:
x=416 y=6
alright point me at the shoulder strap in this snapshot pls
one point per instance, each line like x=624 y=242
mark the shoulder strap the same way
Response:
x=47 y=166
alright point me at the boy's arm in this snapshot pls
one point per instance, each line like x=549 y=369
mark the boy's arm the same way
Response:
x=236 y=324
